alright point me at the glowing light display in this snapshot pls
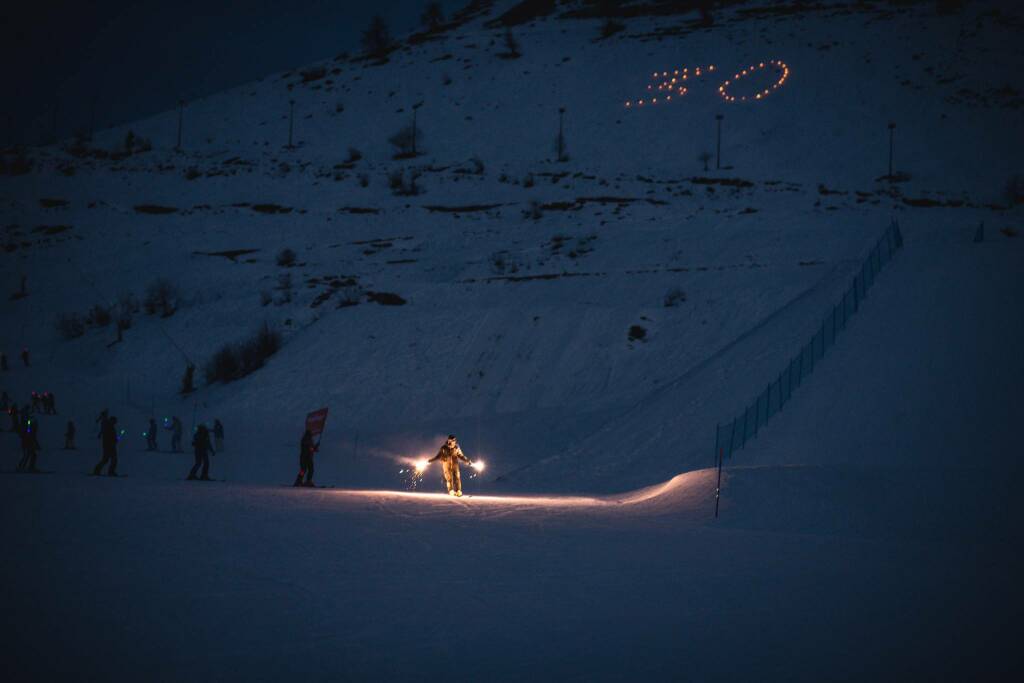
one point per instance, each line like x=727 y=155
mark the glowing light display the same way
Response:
x=782 y=74
x=670 y=83
x=675 y=83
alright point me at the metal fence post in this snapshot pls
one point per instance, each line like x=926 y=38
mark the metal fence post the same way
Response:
x=716 y=436
x=718 y=487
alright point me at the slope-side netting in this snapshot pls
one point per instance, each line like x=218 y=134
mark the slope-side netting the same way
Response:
x=734 y=435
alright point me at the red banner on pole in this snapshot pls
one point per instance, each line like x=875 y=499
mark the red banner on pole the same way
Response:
x=315 y=421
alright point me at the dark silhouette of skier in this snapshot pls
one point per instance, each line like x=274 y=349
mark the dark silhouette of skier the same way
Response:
x=306 y=450
x=108 y=435
x=218 y=435
x=49 y=403
x=176 y=435
x=69 y=436
x=151 y=436
x=100 y=420
x=450 y=455
x=203 y=450
x=35 y=402
x=29 y=445
x=25 y=357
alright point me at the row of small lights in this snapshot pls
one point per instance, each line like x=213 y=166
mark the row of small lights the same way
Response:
x=672 y=83
x=783 y=75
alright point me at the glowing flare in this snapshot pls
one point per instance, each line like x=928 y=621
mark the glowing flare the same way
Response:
x=479 y=465
x=421 y=464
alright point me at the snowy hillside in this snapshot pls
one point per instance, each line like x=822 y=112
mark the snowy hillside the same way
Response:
x=526 y=280
x=582 y=323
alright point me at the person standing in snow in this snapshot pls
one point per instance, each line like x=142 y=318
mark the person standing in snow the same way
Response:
x=175 y=435
x=29 y=445
x=151 y=436
x=203 y=449
x=69 y=436
x=450 y=455
x=100 y=421
x=35 y=402
x=108 y=434
x=24 y=357
x=306 y=450
x=218 y=435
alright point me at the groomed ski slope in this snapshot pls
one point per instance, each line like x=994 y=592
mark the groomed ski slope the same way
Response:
x=866 y=534
x=161 y=580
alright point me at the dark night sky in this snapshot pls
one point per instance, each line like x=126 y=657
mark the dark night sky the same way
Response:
x=134 y=59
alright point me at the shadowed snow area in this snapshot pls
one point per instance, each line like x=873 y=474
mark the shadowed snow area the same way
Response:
x=582 y=326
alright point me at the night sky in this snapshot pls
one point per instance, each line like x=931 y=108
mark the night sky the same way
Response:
x=134 y=59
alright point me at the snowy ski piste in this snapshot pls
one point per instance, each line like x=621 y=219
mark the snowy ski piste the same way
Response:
x=610 y=234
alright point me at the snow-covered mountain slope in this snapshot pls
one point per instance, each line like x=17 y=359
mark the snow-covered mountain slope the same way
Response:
x=528 y=281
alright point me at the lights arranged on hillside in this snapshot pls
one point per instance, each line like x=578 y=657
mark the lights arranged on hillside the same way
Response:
x=781 y=69
x=674 y=84
x=670 y=83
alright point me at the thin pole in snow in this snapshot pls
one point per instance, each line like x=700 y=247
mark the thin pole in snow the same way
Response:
x=291 y=122
x=92 y=118
x=718 y=488
x=717 y=427
x=415 y=108
x=561 y=138
x=892 y=127
x=718 y=143
x=181 y=115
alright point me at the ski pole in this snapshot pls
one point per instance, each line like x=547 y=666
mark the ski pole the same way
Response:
x=718 y=489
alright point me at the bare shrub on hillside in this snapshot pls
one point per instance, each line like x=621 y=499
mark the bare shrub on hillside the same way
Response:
x=405 y=141
x=70 y=325
x=127 y=307
x=376 y=39
x=99 y=315
x=286 y=257
x=674 y=297
x=161 y=298
x=234 y=361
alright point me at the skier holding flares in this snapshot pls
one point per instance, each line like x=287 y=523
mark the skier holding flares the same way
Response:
x=450 y=455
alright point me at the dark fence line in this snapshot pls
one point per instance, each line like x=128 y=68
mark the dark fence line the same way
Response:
x=734 y=435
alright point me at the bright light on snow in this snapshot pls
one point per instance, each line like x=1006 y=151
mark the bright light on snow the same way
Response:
x=479 y=465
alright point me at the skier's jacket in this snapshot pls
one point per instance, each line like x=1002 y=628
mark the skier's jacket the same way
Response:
x=29 y=437
x=108 y=434
x=306 y=447
x=450 y=453
x=201 y=441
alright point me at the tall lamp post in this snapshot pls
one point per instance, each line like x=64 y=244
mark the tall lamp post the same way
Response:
x=181 y=114
x=892 y=127
x=291 y=122
x=718 y=143
x=561 y=138
x=415 y=108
